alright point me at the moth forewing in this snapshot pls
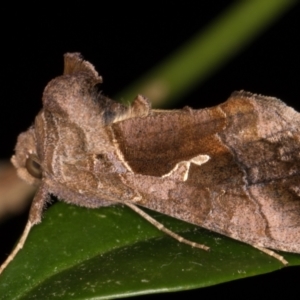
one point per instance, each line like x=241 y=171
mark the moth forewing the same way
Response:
x=233 y=169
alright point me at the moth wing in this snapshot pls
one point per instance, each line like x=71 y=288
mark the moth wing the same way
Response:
x=249 y=188
x=155 y=144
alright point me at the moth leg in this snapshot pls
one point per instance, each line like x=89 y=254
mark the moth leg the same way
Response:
x=164 y=229
x=272 y=253
x=18 y=247
x=35 y=215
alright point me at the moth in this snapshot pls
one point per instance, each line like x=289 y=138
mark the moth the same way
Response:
x=233 y=168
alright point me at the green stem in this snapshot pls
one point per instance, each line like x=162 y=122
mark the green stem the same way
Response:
x=207 y=51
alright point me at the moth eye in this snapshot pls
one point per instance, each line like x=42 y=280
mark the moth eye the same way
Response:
x=33 y=167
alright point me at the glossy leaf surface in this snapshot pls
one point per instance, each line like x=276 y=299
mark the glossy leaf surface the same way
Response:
x=112 y=252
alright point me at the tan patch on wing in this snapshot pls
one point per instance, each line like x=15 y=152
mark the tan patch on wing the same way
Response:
x=118 y=152
x=181 y=171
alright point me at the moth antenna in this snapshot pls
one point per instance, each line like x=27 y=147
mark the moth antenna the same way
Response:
x=164 y=229
x=74 y=63
x=18 y=247
x=272 y=253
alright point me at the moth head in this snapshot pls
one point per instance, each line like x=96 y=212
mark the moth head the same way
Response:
x=26 y=159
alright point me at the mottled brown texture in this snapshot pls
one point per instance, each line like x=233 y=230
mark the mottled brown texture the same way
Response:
x=233 y=168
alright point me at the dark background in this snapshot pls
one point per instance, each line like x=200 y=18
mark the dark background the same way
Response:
x=123 y=46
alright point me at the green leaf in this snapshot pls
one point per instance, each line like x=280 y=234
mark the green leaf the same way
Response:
x=112 y=252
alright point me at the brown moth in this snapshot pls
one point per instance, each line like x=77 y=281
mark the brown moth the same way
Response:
x=233 y=169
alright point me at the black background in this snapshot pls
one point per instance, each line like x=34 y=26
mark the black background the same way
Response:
x=123 y=43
